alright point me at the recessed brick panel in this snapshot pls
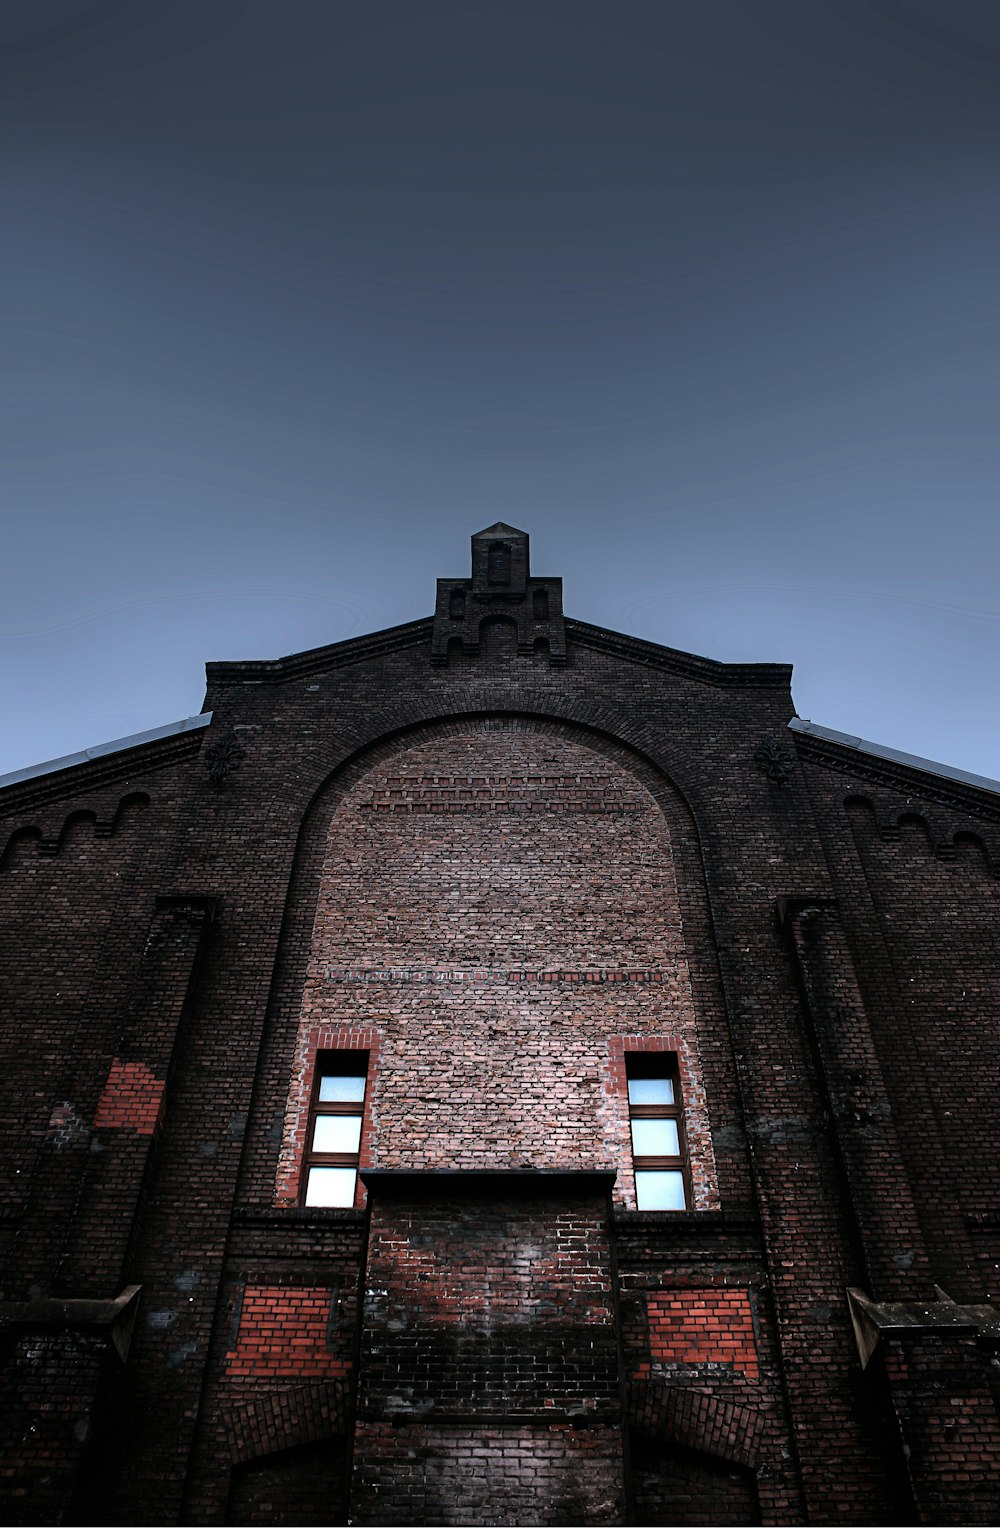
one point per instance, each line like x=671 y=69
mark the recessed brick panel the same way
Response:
x=285 y=1334
x=132 y=1099
x=547 y=895
x=703 y=1326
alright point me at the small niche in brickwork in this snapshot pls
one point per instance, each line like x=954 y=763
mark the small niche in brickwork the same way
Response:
x=498 y=637
x=498 y=564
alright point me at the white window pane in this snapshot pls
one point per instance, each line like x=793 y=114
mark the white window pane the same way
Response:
x=337 y=1132
x=655 y=1138
x=650 y=1090
x=660 y=1191
x=331 y=1186
x=341 y=1090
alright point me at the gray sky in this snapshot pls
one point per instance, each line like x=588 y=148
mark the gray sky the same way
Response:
x=298 y=294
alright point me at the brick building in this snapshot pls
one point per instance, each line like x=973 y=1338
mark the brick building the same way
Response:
x=499 y=1071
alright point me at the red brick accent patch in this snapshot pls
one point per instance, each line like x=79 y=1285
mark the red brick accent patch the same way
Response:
x=699 y=1326
x=283 y=1334
x=132 y=1099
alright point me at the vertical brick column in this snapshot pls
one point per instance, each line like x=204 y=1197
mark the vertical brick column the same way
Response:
x=490 y=1373
x=133 y=1104
x=885 y=1216
x=937 y=1381
x=56 y=1384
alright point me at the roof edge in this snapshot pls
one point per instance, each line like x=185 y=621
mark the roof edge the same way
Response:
x=894 y=756
x=351 y=650
x=710 y=669
x=411 y=633
x=101 y=750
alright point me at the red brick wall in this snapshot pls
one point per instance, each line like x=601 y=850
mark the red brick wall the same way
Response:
x=477 y=1304
x=132 y=1099
x=516 y=891
x=285 y=1334
x=702 y=1326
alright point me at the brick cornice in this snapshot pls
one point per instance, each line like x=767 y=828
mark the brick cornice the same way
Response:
x=870 y=769
x=110 y=769
x=318 y=659
x=414 y=633
x=707 y=670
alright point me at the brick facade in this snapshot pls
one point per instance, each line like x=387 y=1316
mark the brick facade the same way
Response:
x=512 y=861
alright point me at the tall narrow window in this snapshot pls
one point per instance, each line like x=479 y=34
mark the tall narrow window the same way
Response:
x=333 y=1147
x=654 y=1106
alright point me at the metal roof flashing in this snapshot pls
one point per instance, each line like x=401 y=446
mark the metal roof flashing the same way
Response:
x=894 y=755
x=101 y=750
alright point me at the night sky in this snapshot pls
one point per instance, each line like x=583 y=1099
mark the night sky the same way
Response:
x=703 y=294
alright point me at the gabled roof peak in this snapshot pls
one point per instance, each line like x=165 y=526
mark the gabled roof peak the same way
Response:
x=500 y=529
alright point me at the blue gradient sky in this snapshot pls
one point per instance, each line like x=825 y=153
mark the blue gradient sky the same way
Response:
x=298 y=294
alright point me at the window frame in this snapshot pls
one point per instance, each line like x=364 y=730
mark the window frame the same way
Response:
x=658 y=1065
x=331 y=1063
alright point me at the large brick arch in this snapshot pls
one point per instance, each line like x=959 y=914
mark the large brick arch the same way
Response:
x=534 y=850
x=602 y=724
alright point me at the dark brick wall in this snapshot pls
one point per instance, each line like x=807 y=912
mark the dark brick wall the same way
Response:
x=497 y=874
x=673 y=1485
x=486 y=1310
x=488 y=1475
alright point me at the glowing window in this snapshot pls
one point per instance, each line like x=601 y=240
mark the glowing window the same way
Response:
x=657 y=1124
x=333 y=1144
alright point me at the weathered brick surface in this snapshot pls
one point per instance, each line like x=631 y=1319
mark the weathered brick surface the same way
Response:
x=538 y=921
x=703 y=1326
x=285 y=1333
x=483 y=1305
x=482 y=1475
x=132 y=1099
x=498 y=875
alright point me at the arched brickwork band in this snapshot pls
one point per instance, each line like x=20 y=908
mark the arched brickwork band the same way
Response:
x=547 y=880
x=285 y=1419
x=695 y=1420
